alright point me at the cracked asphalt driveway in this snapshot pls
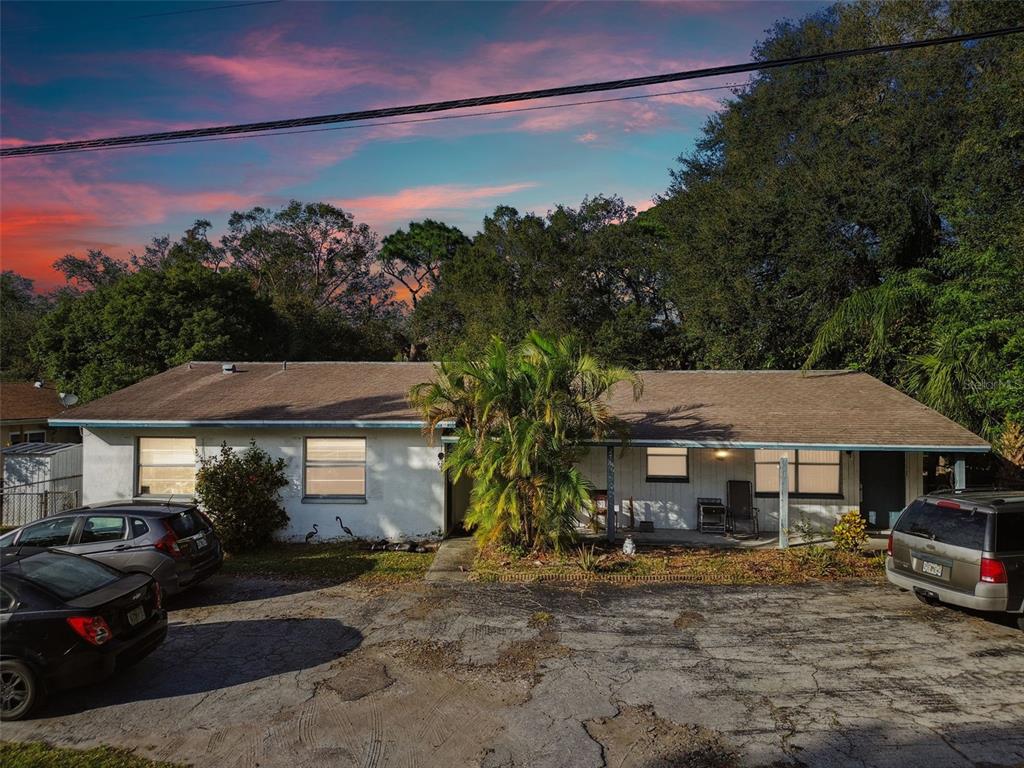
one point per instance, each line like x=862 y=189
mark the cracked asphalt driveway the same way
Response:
x=261 y=673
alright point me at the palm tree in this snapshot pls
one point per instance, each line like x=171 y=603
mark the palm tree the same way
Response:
x=520 y=418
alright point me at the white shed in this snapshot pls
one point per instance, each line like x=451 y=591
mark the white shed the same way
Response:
x=39 y=479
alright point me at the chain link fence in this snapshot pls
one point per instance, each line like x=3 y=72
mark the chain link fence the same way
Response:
x=23 y=504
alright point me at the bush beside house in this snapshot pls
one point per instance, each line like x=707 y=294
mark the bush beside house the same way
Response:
x=241 y=493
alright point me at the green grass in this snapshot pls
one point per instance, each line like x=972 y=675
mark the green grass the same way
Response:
x=330 y=562
x=36 y=754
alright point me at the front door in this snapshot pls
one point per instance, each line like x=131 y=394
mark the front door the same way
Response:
x=883 y=487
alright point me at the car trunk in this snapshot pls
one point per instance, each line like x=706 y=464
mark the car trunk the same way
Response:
x=942 y=543
x=126 y=605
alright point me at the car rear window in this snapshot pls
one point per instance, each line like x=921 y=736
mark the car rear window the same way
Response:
x=1010 y=532
x=187 y=523
x=946 y=525
x=66 y=576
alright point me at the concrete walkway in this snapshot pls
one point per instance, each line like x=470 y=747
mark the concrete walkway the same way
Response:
x=453 y=561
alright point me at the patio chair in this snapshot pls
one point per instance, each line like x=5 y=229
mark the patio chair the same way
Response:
x=740 y=498
x=711 y=514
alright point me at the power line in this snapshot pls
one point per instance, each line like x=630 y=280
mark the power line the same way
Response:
x=489 y=112
x=227 y=6
x=505 y=98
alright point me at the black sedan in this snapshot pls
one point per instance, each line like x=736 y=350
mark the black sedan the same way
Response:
x=66 y=621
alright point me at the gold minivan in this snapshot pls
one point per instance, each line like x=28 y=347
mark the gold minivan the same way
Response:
x=963 y=548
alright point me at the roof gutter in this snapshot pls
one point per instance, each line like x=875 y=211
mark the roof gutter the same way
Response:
x=783 y=446
x=241 y=423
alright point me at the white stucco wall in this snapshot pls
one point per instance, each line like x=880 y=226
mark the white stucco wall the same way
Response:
x=404 y=487
x=674 y=505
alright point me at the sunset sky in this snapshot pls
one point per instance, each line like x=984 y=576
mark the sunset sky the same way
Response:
x=78 y=70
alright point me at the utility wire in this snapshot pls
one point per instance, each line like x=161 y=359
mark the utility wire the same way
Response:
x=505 y=98
x=486 y=113
x=229 y=6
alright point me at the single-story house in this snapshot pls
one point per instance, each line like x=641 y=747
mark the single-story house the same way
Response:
x=24 y=411
x=355 y=448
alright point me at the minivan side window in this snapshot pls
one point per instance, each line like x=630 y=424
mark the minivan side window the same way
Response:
x=1010 y=532
x=945 y=525
x=52 y=533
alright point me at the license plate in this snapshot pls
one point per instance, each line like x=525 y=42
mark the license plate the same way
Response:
x=932 y=569
x=136 y=615
x=201 y=541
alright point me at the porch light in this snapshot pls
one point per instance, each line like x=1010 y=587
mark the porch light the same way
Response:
x=721 y=454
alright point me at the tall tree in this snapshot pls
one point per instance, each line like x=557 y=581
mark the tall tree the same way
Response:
x=194 y=245
x=414 y=258
x=95 y=269
x=598 y=270
x=99 y=341
x=314 y=252
x=21 y=310
x=521 y=414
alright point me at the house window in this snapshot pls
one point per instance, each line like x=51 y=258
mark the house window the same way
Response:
x=811 y=473
x=335 y=467
x=667 y=465
x=167 y=466
x=28 y=437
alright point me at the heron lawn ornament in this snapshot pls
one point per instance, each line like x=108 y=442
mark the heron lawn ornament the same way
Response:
x=344 y=527
x=312 y=534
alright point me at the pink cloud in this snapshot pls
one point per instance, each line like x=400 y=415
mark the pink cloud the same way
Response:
x=587 y=138
x=52 y=206
x=416 y=202
x=271 y=68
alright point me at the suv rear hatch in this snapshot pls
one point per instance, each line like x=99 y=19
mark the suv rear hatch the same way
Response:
x=942 y=541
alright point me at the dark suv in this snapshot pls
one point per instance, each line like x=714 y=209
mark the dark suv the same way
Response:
x=964 y=548
x=174 y=543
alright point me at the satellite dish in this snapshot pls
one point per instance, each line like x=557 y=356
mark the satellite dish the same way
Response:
x=67 y=399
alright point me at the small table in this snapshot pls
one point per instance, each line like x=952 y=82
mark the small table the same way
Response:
x=711 y=516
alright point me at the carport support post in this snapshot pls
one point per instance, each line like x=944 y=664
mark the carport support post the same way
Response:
x=960 y=473
x=609 y=517
x=784 y=502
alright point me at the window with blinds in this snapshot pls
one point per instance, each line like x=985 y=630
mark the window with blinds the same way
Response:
x=166 y=466
x=811 y=473
x=335 y=467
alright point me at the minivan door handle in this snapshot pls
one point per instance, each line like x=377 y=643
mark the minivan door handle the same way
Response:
x=121 y=546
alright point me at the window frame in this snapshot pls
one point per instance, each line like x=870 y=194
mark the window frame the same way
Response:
x=340 y=498
x=794 y=468
x=76 y=524
x=138 y=466
x=125 y=526
x=649 y=478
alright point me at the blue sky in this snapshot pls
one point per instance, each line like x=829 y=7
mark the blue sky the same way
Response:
x=74 y=70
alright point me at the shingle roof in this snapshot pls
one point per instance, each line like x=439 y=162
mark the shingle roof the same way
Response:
x=777 y=407
x=788 y=407
x=23 y=400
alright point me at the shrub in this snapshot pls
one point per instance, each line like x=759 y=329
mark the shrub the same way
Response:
x=240 y=491
x=850 y=533
x=588 y=559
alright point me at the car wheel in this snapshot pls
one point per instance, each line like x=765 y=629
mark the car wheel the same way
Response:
x=1020 y=622
x=19 y=689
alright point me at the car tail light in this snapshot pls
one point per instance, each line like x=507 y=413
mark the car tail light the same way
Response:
x=948 y=504
x=94 y=629
x=169 y=543
x=888 y=546
x=993 y=571
x=157 y=597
